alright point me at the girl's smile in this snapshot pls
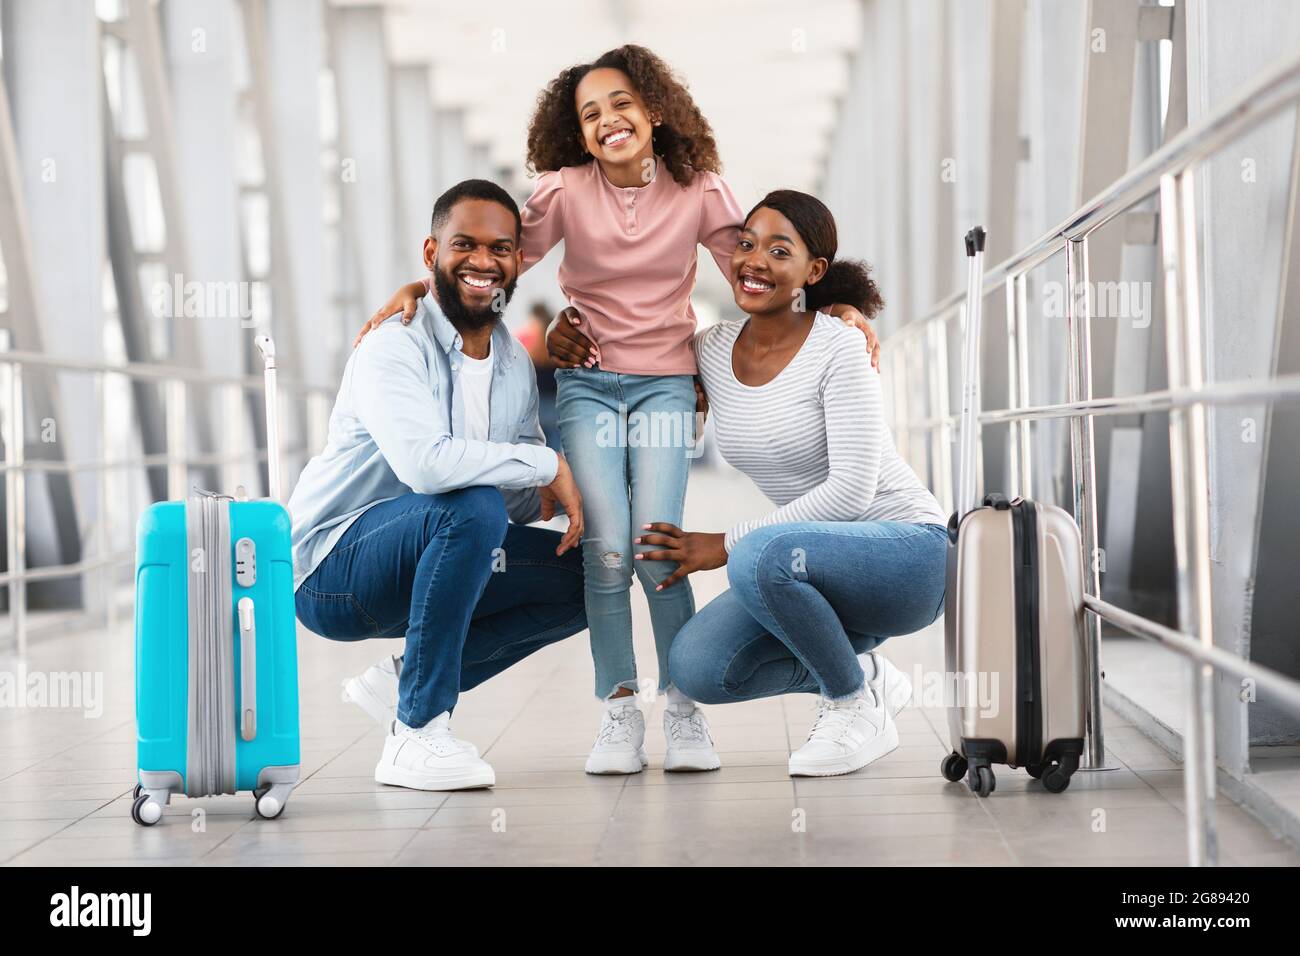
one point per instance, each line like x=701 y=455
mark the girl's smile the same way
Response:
x=616 y=129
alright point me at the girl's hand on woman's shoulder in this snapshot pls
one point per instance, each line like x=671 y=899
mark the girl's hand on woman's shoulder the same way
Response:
x=851 y=316
x=692 y=550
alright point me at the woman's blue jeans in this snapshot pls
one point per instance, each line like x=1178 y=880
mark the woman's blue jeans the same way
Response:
x=630 y=440
x=806 y=598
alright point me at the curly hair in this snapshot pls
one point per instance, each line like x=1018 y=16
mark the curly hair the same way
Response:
x=684 y=138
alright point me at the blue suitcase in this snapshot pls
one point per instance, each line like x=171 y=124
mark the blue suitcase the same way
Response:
x=216 y=646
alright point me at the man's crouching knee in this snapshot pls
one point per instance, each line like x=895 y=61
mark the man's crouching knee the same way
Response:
x=482 y=509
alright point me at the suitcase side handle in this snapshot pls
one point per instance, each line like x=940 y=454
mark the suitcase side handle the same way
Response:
x=247 y=669
x=266 y=346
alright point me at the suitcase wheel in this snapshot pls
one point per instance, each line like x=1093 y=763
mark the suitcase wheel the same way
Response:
x=953 y=767
x=1035 y=770
x=145 y=810
x=1056 y=775
x=135 y=794
x=981 y=780
x=1055 y=780
x=268 y=806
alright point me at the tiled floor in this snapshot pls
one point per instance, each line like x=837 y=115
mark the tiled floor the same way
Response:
x=65 y=780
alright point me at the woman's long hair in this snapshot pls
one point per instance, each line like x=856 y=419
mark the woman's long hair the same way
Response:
x=846 y=280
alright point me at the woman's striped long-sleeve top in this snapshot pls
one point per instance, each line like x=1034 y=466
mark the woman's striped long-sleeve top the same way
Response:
x=814 y=439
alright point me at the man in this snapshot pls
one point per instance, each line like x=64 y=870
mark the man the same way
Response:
x=400 y=525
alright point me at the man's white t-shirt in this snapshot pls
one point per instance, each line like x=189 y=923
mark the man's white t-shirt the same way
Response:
x=476 y=386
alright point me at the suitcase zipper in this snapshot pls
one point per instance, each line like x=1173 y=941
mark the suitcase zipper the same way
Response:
x=211 y=765
x=1028 y=677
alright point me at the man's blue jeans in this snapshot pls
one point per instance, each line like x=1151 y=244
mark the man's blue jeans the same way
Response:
x=630 y=440
x=806 y=598
x=473 y=593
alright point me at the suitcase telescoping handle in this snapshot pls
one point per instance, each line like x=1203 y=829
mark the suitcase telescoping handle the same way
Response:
x=266 y=346
x=968 y=456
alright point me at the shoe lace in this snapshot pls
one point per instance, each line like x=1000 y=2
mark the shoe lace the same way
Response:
x=616 y=728
x=439 y=739
x=687 y=728
x=833 y=719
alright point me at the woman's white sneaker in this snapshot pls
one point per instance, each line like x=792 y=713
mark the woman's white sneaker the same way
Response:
x=690 y=747
x=847 y=735
x=888 y=681
x=430 y=758
x=620 y=745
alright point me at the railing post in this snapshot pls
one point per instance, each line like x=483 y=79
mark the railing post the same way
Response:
x=318 y=419
x=1015 y=453
x=1018 y=308
x=902 y=407
x=1084 y=485
x=1189 y=479
x=918 y=443
x=937 y=333
x=103 y=534
x=232 y=435
x=16 y=504
x=174 y=413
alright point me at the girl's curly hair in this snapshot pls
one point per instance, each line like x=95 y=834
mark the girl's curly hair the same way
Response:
x=684 y=138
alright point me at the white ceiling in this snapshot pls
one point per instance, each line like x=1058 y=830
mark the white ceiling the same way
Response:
x=768 y=74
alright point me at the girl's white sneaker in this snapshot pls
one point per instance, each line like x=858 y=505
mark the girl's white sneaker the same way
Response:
x=690 y=747
x=620 y=745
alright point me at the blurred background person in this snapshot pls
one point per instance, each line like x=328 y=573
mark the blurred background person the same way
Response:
x=532 y=334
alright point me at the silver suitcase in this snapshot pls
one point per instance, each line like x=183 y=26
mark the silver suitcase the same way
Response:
x=1013 y=621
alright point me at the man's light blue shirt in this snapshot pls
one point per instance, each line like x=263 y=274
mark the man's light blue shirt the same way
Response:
x=395 y=425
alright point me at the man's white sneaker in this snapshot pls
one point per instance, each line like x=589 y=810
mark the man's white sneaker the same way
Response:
x=689 y=745
x=620 y=745
x=847 y=735
x=889 y=682
x=430 y=758
x=375 y=691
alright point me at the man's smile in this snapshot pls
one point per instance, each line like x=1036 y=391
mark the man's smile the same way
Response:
x=479 y=281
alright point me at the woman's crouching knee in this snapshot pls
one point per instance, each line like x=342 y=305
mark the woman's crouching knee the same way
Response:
x=694 y=670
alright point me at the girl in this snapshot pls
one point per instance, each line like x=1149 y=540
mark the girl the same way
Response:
x=629 y=180
x=855 y=551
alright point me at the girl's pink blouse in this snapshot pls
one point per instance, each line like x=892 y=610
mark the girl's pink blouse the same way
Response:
x=629 y=258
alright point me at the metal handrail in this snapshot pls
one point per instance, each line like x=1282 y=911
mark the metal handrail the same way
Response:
x=1167 y=172
x=1287 y=690
x=1245 y=391
x=175 y=381
x=152 y=371
x=1242 y=112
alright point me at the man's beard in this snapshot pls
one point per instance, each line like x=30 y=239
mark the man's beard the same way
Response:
x=460 y=315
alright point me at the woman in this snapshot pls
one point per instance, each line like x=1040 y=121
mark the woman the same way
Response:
x=855 y=551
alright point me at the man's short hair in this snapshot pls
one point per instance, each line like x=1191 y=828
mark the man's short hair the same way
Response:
x=472 y=189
